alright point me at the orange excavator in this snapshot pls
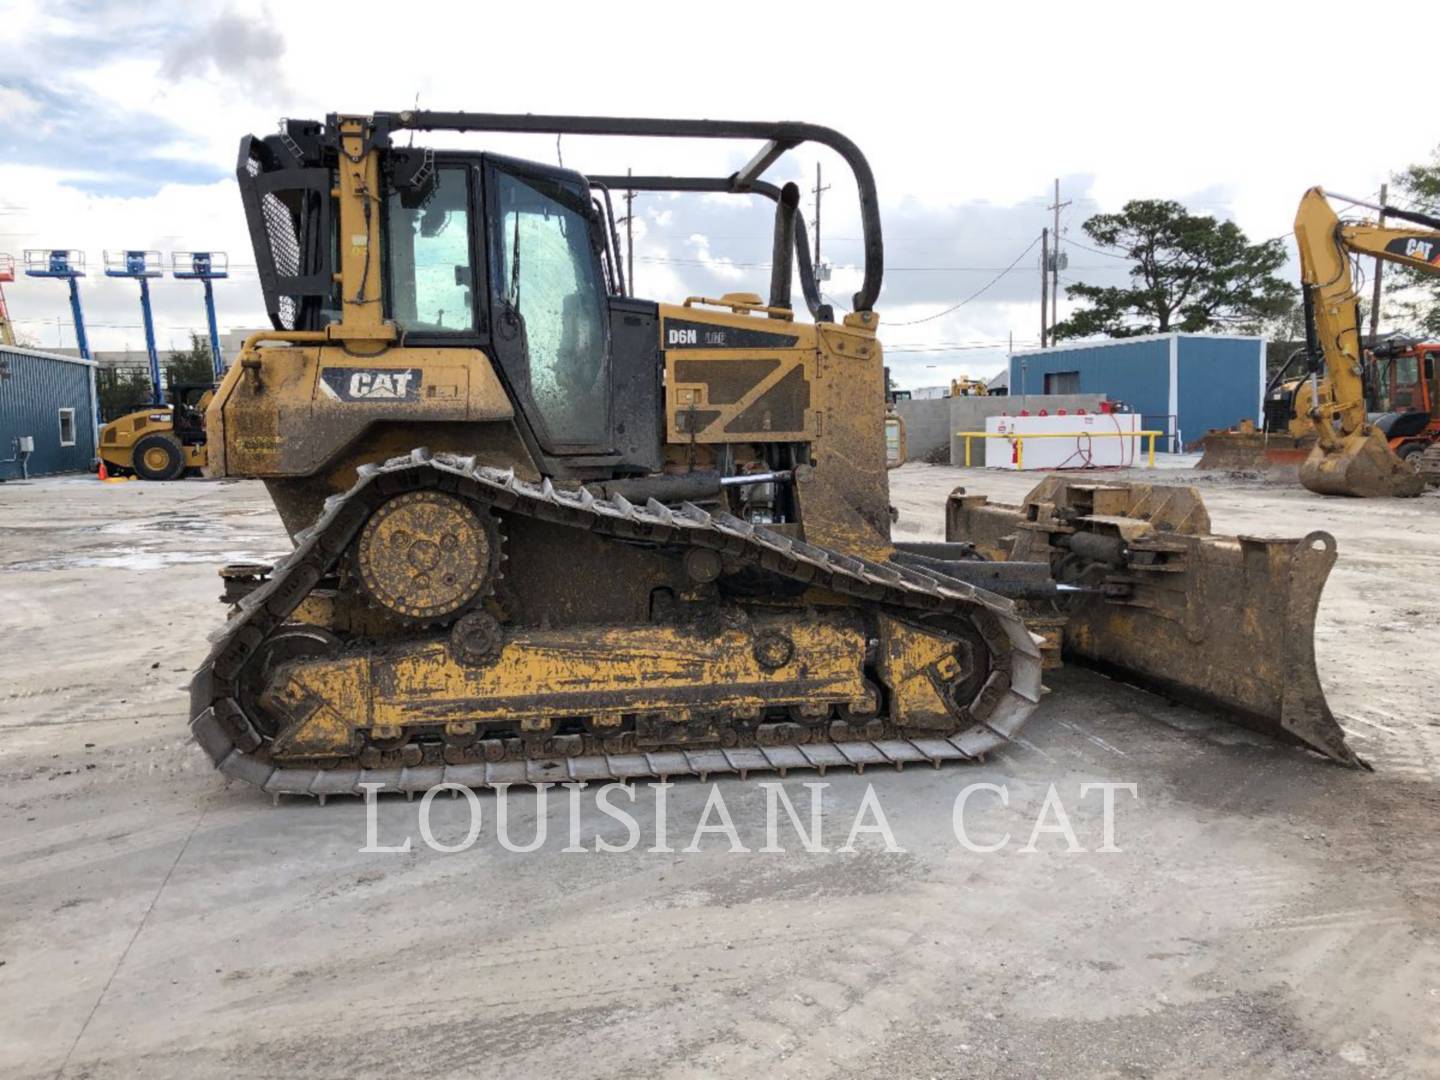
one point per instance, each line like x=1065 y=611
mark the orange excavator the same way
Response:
x=1405 y=392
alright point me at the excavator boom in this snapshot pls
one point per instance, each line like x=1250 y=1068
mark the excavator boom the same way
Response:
x=1351 y=457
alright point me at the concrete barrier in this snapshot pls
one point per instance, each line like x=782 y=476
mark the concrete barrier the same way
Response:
x=927 y=426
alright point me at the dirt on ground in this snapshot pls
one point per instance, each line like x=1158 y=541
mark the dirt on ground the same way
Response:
x=1265 y=912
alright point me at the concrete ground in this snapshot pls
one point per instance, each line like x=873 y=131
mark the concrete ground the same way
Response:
x=1266 y=913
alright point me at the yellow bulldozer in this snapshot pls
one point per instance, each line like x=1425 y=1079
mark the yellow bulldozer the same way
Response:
x=1285 y=436
x=545 y=530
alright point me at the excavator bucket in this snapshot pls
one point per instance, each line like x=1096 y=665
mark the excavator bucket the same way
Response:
x=1363 y=467
x=1226 y=623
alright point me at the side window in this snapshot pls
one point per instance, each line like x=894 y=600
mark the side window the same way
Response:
x=428 y=249
x=1407 y=372
x=550 y=278
x=67 y=427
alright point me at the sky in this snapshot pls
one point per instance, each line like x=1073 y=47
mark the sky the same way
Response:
x=119 y=125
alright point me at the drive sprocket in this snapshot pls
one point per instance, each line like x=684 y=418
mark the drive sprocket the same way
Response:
x=426 y=556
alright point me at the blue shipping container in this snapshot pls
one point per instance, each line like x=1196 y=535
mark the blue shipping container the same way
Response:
x=1182 y=384
x=51 y=399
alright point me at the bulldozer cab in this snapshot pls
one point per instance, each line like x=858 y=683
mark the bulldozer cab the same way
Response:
x=511 y=256
x=512 y=259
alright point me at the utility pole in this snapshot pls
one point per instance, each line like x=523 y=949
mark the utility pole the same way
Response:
x=1055 y=257
x=1044 y=286
x=1379 y=270
x=820 y=189
x=630 y=235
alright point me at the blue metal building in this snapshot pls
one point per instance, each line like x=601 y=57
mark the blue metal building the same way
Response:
x=47 y=402
x=1182 y=384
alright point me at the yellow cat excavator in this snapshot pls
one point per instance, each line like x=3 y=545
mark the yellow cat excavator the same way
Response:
x=1352 y=456
x=547 y=531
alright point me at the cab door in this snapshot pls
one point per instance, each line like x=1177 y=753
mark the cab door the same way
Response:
x=548 y=304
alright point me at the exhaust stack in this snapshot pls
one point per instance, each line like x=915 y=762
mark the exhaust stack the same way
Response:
x=782 y=258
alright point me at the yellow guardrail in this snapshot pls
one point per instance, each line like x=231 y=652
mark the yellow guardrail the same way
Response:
x=1019 y=437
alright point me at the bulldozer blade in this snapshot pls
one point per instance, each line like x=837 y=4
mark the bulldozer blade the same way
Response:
x=1225 y=623
x=1363 y=467
x=1253 y=451
x=1233 y=631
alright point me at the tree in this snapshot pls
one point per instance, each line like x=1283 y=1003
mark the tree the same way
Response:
x=192 y=365
x=1190 y=273
x=1413 y=297
x=121 y=390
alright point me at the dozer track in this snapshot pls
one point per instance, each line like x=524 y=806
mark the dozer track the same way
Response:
x=242 y=745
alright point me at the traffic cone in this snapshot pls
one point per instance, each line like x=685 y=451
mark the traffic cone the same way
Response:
x=101 y=472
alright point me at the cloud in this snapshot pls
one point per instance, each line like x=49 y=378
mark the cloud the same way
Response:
x=118 y=126
x=95 y=146
x=16 y=104
x=244 y=50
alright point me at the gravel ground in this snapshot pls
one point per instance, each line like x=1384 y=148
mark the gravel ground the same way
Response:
x=1266 y=913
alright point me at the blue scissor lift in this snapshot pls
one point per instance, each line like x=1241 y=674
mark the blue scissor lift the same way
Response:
x=142 y=266
x=207 y=267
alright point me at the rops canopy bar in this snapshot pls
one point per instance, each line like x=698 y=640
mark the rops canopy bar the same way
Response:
x=808 y=285
x=780 y=136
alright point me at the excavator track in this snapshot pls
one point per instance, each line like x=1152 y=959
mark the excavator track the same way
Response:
x=1429 y=466
x=237 y=745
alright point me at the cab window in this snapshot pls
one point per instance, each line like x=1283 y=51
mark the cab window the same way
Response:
x=549 y=278
x=429 y=258
x=1406 y=373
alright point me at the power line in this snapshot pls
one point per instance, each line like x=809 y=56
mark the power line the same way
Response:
x=722 y=261
x=902 y=349
x=977 y=293
x=1096 y=251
